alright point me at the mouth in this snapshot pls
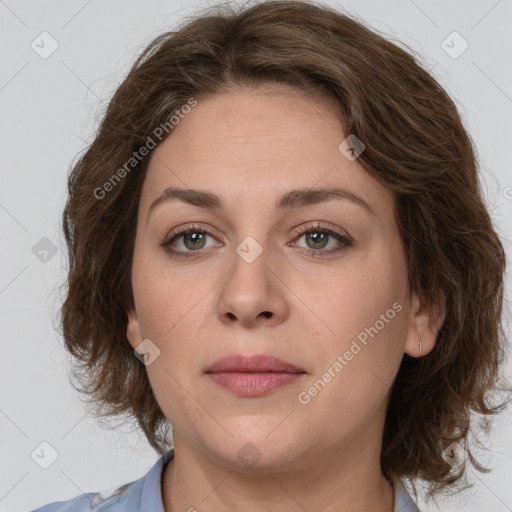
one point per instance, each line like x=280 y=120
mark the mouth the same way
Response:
x=252 y=376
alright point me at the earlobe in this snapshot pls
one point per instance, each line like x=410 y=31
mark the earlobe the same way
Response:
x=133 y=329
x=424 y=326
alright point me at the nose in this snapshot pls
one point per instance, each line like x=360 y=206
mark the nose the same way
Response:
x=253 y=293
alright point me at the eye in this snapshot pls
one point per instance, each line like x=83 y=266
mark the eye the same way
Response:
x=190 y=241
x=317 y=238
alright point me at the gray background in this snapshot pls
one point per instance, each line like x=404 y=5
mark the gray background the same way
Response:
x=50 y=108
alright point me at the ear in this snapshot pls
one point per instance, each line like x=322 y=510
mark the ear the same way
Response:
x=133 y=332
x=424 y=325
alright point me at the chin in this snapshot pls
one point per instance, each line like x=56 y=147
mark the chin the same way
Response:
x=258 y=451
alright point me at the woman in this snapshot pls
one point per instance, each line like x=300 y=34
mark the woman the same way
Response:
x=278 y=245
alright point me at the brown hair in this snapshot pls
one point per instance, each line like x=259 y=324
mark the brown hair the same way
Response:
x=416 y=145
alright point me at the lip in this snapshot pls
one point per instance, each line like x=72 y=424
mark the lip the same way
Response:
x=256 y=364
x=251 y=376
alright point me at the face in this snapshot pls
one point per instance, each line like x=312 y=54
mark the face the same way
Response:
x=317 y=281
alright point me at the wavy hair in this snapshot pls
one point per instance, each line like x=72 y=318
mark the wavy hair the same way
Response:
x=416 y=145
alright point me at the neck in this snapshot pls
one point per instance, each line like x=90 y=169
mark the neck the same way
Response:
x=331 y=480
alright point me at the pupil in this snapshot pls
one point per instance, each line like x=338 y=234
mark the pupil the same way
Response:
x=318 y=238
x=195 y=238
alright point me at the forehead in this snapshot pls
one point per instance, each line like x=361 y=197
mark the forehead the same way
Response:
x=258 y=143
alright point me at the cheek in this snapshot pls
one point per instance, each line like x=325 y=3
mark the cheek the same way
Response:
x=166 y=298
x=354 y=378
x=366 y=318
x=357 y=299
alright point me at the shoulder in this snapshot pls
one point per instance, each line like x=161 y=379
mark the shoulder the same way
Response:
x=87 y=502
x=80 y=503
x=403 y=500
x=125 y=498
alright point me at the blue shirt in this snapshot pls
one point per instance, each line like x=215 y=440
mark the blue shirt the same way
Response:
x=146 y=494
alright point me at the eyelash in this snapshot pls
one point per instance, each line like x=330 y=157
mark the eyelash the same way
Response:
x=317 y=228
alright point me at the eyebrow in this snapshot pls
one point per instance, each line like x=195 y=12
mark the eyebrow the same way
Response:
x=292 y=199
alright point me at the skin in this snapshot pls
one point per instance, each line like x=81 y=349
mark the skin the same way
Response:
x=250 y=146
